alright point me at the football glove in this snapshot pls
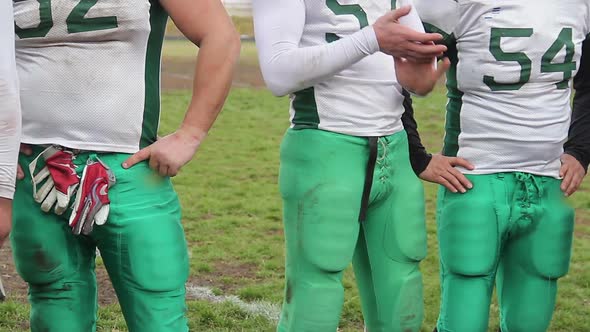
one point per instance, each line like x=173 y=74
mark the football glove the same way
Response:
x=61 y=179
x=92 y=200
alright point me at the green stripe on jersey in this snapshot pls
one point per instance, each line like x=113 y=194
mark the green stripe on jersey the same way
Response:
x=454 y=105
x=454 y=95
x=306 y=110
x=151 y=112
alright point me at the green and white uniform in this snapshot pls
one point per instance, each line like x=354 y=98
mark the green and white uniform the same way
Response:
x=508 y=114
x=343 y=90
x=90 y=77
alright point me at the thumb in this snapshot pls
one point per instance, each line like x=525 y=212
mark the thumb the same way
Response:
x=139 y=156
x=563 y=170
x=461 y=162
x=443 y=67
x=400 y=12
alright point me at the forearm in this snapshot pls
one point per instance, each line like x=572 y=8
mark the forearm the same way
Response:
x=214 y=71
x=9 y=139
x=419 y=157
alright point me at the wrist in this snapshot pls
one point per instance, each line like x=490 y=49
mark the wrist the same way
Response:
x=193 y=132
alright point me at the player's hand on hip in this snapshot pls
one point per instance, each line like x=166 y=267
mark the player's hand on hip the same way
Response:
x=441 y=170
x=419 y=77
x=401 y=41
x=27 y=151
x=168 y=154
x=572 y=173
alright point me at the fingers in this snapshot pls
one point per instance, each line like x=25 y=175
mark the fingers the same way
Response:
x=441 y=70
x=19 y=173
x=400 y=12
x=465 y=183
x=456 y=161
x=574 y=184
x=564 y=173
x=425 y=51
x=139 y=156
x=26 y=149
x=454 y=181
x=441 y=180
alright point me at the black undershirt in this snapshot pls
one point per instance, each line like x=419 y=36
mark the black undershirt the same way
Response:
x=578 y=144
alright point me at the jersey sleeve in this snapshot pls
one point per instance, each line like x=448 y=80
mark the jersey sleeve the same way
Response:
x=440 y=16
x=287 y=67
x=10 y=118
x=578 y=144
x=419 y=158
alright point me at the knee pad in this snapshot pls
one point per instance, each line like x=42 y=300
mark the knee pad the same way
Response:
x=404 y=236
x=328 y=229
x=551 y=242
x=468 y=235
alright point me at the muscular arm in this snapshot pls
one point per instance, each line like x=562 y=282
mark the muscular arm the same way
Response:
x=286 y=67
x=578 y=144
x=207 y=25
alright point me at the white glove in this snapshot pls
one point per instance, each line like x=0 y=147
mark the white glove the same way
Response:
x=61 y=179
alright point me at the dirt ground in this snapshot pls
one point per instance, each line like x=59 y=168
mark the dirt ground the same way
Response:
x=177 y=74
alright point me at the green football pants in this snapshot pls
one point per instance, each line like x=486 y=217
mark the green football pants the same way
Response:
x=514 y=229
x=322 y=178
x=142 y=246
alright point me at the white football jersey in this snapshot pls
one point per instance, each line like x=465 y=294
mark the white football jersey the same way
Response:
x=363 y=100
x=9 y=103
x=90 y=72
x=509 y=86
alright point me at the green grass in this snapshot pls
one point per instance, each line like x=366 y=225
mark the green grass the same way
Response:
x=244 y=26
x=232 y=218
x=185 y=50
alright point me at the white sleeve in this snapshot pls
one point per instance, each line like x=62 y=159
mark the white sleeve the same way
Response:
x=10 y=117
x=438 y=15
x=287 y=67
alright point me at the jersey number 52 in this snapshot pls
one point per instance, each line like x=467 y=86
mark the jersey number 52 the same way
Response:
x=76 y=21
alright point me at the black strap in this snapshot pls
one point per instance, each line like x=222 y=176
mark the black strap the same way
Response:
x=368 y=177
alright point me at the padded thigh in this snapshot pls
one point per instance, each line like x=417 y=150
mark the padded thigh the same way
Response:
x=551 y=241
x=404 y=237
x=328 y=225
x=468 y=233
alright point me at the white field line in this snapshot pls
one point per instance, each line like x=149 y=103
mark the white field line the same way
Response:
x=267 y=310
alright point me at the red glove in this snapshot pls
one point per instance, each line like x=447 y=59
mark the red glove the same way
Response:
x=92 y=200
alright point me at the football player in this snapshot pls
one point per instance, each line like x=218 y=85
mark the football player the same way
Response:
x=349 y=193
x=93 y=172
x=9 y=119
x=508 y=113
x=9 y=122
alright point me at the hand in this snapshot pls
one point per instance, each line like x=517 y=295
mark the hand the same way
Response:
x=442 y=170
x=419 y=77
x=401 y=41
x=169 y=154
x=5 y=219
x=572 y=173
x=27 y=151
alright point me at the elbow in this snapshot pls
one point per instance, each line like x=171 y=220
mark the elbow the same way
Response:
x=277 y=89
x=279 y=83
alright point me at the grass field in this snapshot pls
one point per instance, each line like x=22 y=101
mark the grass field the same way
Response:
x=232 y=218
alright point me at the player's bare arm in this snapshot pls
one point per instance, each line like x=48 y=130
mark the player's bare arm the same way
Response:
x=208 y=26
x=420 y=77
